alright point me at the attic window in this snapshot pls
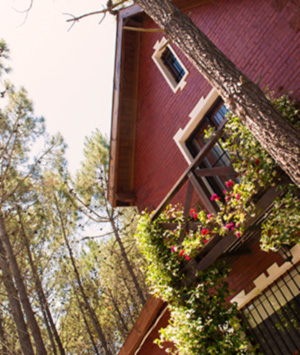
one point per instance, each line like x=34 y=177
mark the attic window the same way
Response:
x=170 y=65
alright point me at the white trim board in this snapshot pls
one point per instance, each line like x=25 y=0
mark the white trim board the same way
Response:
x=263 y=281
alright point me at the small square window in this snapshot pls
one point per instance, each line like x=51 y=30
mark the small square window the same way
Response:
x=170 y=65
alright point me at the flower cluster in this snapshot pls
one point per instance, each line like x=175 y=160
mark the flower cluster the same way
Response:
x=194 y=326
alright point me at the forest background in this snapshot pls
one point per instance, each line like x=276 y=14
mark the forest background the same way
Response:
x=63 y=290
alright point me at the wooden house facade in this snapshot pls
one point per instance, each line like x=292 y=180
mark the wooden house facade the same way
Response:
x=159 y=104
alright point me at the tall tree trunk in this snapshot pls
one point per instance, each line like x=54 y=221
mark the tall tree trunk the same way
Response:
x=15 y=306
x=3 y=338
x=241 y=95
x=124 y=256
x=51 y=328
x=36 y=333
x=85 y=320
x=124 y=328
x=91 y=312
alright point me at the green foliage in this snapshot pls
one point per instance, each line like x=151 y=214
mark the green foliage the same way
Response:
x=4 y=56
x=283 y=225
x=202 y=322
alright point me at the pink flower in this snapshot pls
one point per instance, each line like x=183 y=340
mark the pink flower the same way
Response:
x=256 y=162
x=232 y=228
x=214 y=197
x=173 y=249
x=238 y=234
x=238 y=196
x=224 y=191
x=181 y=252
x=187 y=257
x=209 y=215
x=229 y=183
x=229 y=226
x=204 y=231
x=206 y=241
x=238 y=225
x=227 y=198
x=195 y=215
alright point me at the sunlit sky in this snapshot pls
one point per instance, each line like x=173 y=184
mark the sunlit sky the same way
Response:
x=68 y=74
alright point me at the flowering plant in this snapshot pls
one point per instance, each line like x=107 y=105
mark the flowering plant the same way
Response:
x=202 y=322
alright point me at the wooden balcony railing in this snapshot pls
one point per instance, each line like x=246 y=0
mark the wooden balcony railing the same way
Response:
x=217 y=246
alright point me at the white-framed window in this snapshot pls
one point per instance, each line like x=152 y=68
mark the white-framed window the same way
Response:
x=196 y=116
x=207 y=114
x=169 y=65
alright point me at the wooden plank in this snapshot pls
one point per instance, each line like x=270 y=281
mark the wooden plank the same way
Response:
x=217 y=171
x=183 y=178
x=173 y=225
x=208 y=204
x=125 y=196
x=186 y=211
x=188 y=199
x=150 y=312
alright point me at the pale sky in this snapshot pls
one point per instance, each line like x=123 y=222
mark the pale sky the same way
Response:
x=68 y=75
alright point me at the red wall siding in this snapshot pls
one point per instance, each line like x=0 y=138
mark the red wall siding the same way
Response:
x=256 y=37
x=244 y=271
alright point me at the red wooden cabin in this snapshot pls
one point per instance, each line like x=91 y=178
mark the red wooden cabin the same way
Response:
x=160 y=102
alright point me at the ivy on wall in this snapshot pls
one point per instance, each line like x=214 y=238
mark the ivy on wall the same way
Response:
x=202 y=322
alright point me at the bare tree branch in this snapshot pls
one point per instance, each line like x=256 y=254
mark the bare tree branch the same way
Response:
x=92 y=13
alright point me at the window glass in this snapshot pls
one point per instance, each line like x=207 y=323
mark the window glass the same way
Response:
x=217 y=157
x=172 y=64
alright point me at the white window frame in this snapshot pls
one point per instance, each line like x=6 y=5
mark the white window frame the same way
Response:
x=158 y=50
x=196 y=116
x=180 y=138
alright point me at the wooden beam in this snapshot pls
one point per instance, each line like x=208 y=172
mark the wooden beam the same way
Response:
x=150 y=312
x=195 y=163
x=217 y=171
x=205 y=199
x=172 y=226
x=125 y=196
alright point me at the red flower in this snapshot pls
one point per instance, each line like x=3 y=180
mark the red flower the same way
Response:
x=195 y=215
x=227 y=198
x=224 y=191
x=256 y=162
x=187 y=257
x=214 y=197
x=173 y=249
x=229 y=183
x=238 y=234
x=206 y=241
x=204 y=231
x=181 y=252
x=238 y=196
x=192 y=211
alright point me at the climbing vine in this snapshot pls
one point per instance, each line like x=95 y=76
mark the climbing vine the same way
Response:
x=202 y=321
